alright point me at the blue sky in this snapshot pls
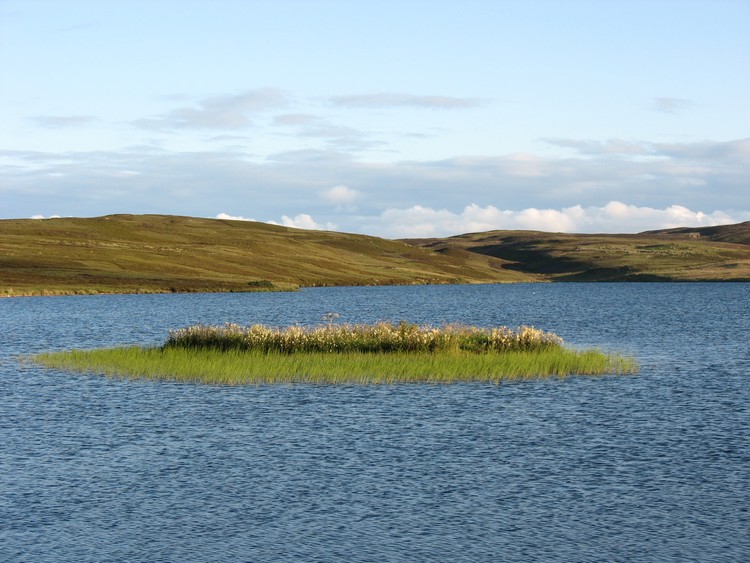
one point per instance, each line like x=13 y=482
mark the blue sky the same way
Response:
x=408 y=118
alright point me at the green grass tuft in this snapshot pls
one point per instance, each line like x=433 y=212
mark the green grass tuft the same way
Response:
x=359 y=354
x=237 y=367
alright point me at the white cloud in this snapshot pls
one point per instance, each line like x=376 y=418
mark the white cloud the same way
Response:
x=299 y=221
x=614 y=217
x=342 y=197
x=43 y=217
x=226 y=217
x=303 y=221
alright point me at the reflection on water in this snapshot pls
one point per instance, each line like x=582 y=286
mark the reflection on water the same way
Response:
x=653 y=466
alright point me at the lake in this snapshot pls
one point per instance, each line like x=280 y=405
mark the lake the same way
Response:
x=653 y=466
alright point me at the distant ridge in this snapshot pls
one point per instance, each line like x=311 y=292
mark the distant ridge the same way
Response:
x=164 y=253
x=738 y=233
x=720 y=253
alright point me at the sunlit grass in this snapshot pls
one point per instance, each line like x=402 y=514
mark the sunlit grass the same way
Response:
x=235 y=367
x=165 y=254
x=332 y=353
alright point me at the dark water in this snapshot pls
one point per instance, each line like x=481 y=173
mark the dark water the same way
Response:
x=648 y=467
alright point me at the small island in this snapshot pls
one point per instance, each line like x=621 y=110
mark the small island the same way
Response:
x=345 y=354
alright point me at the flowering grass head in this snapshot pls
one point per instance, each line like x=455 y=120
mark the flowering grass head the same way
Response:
x=382 y=337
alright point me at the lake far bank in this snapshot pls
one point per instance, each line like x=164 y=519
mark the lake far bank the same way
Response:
x=170 y=254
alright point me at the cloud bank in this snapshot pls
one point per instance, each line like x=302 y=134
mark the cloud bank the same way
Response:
x=614 y=217
x=421 y=221
x=658 y=185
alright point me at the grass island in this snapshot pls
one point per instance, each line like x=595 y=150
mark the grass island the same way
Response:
x=344 y=354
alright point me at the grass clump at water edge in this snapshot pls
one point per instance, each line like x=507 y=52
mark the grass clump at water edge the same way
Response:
x=381 y=353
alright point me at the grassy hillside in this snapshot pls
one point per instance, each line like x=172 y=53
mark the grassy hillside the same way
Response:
x=738 y=233
x=153 y=253
x=156 y=253
x=686 y=254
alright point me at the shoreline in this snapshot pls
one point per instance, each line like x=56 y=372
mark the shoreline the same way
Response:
x=92 y=292
x=277 y=289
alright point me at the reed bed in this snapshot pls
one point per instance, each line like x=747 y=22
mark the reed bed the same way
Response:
x=364 y=338
x=352 y=354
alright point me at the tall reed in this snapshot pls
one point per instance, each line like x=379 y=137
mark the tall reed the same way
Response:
x=381 y=337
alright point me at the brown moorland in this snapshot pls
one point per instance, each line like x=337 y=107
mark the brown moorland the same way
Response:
x=719 y=253
x=162 y=253
x=159 y=253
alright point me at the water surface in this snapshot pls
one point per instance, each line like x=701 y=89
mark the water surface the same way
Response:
x=648 y=467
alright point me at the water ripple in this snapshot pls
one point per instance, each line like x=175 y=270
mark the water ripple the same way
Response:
x=646 y=467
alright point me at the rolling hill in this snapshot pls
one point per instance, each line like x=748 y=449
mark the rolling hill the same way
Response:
x=162 y=253
x=719 y=253
x=158 y=253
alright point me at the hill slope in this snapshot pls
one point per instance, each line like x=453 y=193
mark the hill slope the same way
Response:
x=686 y=254
x=158 y=253
x=155 y=253
x=738 y=233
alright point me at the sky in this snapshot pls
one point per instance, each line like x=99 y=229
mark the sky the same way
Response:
x=409 y=118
